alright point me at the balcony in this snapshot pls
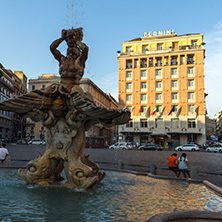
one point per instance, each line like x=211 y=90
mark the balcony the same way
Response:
x=154 y=50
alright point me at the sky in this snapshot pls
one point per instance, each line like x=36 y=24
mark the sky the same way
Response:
x=28 y=27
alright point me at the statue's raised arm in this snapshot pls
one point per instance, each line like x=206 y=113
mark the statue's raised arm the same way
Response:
x=55 y=44
x=71 y=66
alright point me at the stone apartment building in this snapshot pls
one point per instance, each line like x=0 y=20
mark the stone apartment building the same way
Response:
x=12 y=85
x=36 y=130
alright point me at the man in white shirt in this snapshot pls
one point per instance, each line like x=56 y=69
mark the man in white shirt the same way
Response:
x=3 y=153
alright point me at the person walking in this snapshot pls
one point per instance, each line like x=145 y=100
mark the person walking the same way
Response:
x=183 y=165
x=3 y=153
x=173 y=164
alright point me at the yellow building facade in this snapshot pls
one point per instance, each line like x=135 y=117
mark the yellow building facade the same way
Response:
x=161 y=80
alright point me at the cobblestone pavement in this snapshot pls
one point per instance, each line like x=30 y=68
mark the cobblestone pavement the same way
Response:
x=209 y=164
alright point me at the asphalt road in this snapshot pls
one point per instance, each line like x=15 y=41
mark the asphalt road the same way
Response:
x=209 y=164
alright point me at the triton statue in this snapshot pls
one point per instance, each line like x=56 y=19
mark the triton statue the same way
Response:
x=67 y=112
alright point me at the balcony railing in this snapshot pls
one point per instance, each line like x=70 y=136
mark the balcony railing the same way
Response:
x=164 y=49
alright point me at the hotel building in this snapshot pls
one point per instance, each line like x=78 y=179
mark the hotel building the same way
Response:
x=161 y=81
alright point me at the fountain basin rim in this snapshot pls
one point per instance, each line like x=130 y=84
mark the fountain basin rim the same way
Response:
x=208 y=184
x=193 y=215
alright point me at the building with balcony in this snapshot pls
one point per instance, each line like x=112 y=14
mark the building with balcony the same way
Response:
x=37 y=130
x=103 y=100
x=210 y=128
x=218 y=122
x=161 y=81
x=12 y=85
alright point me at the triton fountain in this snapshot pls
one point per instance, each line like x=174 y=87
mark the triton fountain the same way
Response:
x=67 y=112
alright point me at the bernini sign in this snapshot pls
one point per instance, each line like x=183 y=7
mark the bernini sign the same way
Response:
x=159 y=33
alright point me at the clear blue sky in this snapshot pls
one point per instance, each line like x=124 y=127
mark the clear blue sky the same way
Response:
x=29 y=26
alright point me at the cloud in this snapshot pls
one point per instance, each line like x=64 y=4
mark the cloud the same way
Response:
x=213 y=69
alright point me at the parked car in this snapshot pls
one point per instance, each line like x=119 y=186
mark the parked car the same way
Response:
x=36 y=142
x=4 y=139
x=215 y=148
x=121 y=145
x=150 y=146
x=21 y=141
x=192 y=147
x=200 y=146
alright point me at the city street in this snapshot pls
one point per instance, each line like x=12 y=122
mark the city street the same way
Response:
x=208 y=164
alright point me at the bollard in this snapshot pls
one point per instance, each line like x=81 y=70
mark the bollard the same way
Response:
x=194 y=173
x=153 y=168
x=120 y=164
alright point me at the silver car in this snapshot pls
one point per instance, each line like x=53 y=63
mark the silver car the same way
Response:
x=121 y=145
x=214 y=148
x=192 y=147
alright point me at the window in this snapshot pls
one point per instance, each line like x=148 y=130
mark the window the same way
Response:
x=159 y=123
x=174 y=84
x=158 y=97
x=175 y=108
x=143 y=63
x=191 y=123
x=143 y=123
x=128 y=87
x=160 y=109
x=143 y=74
x=143 y=98
x=174 y=73
x=32 y=130
x=190 y=59
x=129 y=124
x=143 y=86
x=158 y=85
x=173 y=61
x=175 y=45
x=145 y=48
x=191 y=96
x=158 y=73
x=158 y=62
x=144 y=109
x=33 y=87
x=190 y=83
x=136 y=63
x=43 y=86
x=128 y=50
x=194 y=44
x=128 y=75
x=191 y=108
x=160 y=46
x=190 y=70
x=175 y=123
x=182 y=59
x=128 y=98
x=174 y=97
x=129 y=64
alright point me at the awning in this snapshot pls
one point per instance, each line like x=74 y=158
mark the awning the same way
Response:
x=185 y=133
x=158 y=134
x=136 y=132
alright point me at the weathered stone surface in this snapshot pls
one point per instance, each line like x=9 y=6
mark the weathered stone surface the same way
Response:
x=67 y=112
